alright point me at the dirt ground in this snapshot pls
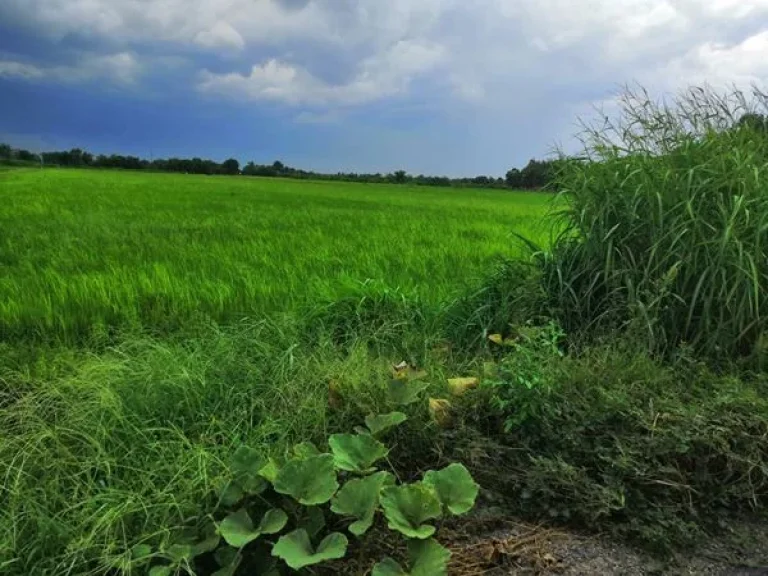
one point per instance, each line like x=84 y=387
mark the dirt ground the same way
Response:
x=522 y=549
x=501 y=546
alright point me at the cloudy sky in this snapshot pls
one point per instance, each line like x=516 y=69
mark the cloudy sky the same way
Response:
x=459 y=87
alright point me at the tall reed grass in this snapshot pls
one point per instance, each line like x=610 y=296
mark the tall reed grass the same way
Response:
x=666 y=225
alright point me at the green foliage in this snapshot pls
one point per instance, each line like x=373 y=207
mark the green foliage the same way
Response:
x=359 y=498
x=305 y=450
x=530 y=354
x=297 y=496
x=246 y=464
x=297 y=551
x=616 y=439
x=356 y=452
x=228 y=559
x=427 y=558
x=408 y=508
x=237 y=529
x=309 y=481
x=667 y=227
x=454 y=488
x=403 y=392
x=378 y=423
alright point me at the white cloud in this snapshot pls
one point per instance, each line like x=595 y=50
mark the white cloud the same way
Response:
x=11 y=69
x=385 y=74
x=220 y=35
x=485 y=52
x=122 y=68
x=722 y=65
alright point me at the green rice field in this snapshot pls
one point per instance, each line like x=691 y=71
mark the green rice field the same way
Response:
x=83 y=249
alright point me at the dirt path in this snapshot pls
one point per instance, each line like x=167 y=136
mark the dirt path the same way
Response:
x=523 y=549
x=495 y=545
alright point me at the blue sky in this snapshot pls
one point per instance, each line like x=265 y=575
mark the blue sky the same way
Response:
x=429 y=86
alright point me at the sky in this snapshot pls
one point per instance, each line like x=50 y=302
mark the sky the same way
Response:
x=455 y=87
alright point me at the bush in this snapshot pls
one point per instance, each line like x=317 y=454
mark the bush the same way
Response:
x=613 y=437
x=510 y=294
x=667 y=227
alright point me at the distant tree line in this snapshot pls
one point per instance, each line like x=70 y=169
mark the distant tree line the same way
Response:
x=536 y=174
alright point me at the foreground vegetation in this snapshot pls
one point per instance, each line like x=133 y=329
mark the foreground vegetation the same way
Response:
x=612 y=379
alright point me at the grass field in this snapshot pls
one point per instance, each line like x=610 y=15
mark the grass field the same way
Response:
x=80 y=249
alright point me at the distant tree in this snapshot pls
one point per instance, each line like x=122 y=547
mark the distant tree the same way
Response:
x=514 y=179
x=27 y=156
x=5 y=151
x=231 y=167
x=400 y=177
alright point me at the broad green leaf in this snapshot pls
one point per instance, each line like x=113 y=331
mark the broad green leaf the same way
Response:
x=140 y=551
x=270 y=470
x=237 y=529
x=245 y=465
x=311 y=481
x=231 y=494
x=305 y=450
x=228 y=559
x=178 y=553
x=359 y=498
x=295 y=549
x=403 y=392
x=160 y=571
x=388 y=567
x=209 y=544
x=408 y=507
x=454 y=487
x=312 y=520
x=427 y=558
x=356 y=452
x=273 y=521
x=226 y=555
x=381 y=422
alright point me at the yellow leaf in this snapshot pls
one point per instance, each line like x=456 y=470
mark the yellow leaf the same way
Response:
x=400 y=371
x=403 y=371
x=496 y=339
x=460 y=385
x=440 y=410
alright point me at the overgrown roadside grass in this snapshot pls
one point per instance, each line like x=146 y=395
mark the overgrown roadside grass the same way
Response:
x=130 y=444
x=610 y=438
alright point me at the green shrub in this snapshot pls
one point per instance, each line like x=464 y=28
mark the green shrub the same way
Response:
x=612 y=437
x=667 y=226
x=511 y=293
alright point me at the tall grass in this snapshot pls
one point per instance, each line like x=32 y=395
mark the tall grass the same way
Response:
x=667 y=225
x=105 y=451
